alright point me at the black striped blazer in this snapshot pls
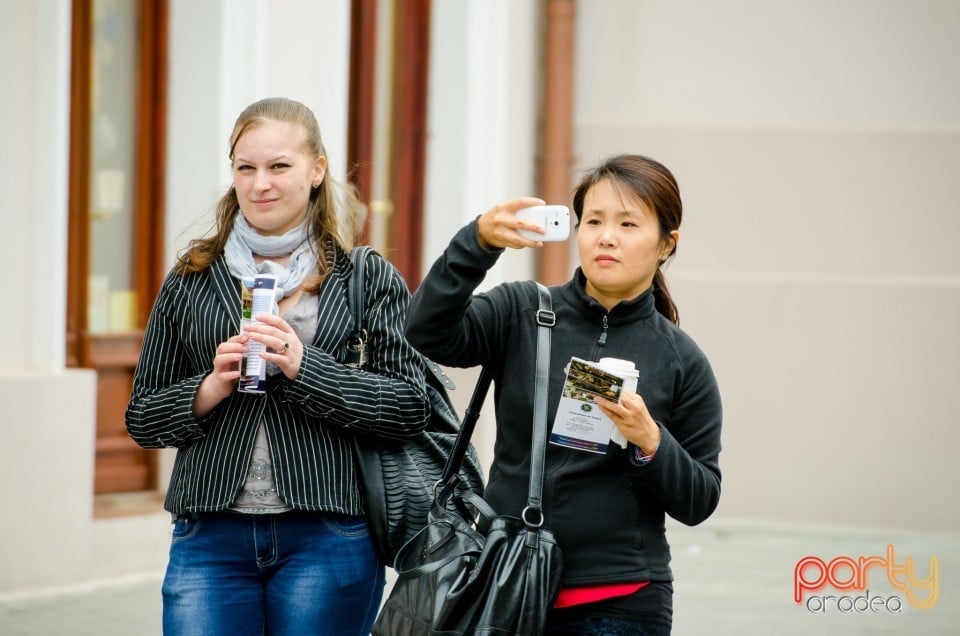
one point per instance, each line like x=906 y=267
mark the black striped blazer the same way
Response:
x=308 y=419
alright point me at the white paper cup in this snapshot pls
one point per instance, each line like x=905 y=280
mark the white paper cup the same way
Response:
x=628 y=371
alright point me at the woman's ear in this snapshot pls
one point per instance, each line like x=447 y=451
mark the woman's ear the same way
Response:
x=319 y=171
x=669 y=245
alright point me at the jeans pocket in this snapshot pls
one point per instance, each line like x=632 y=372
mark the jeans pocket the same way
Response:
x=185 y=527
x=347 y=525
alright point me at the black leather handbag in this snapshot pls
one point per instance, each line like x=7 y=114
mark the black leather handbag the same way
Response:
x=471 y=571
x=399 y=478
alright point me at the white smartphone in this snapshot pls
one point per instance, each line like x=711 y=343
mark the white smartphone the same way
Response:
x=554 y=218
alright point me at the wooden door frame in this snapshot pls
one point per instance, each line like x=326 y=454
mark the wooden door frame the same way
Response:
x=408 y=127
x=411 y=75
x=150 y=196
x=78 y=224
x=114 y=355
x=361 y=108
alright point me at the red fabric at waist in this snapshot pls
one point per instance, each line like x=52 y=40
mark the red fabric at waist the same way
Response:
x=571 y=596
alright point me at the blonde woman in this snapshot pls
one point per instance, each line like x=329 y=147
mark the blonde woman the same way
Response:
x=269 y=530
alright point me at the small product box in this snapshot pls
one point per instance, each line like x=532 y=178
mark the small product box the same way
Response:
x=260 y=298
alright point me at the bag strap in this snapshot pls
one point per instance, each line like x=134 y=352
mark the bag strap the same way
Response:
x=546 y=319
x=462 y=443
x=355 y=291
x=357 y=340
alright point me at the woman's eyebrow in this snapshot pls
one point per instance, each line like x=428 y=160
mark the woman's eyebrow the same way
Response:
x=269 y=160
x=623 y=212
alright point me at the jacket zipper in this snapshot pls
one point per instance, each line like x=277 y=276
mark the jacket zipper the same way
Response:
x=603 y=334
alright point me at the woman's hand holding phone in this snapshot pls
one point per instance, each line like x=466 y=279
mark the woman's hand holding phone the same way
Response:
x=523 y=222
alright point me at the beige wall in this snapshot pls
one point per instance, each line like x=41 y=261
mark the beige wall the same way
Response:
x=817 y=146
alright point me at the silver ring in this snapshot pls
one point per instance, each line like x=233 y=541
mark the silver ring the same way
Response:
x=286 y=345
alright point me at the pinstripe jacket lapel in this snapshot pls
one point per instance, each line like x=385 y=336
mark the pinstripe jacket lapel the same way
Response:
x=227 y=290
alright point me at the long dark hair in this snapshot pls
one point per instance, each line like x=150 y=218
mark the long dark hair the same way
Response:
x=333 y=211
x=651 y=182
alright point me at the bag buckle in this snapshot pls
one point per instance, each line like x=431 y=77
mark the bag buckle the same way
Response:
x=442 y=489
x=530 y=524
x=356 y=349
x=546 y=318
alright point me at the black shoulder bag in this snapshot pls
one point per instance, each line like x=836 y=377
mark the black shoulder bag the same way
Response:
x=399 y=478
x=471 y=571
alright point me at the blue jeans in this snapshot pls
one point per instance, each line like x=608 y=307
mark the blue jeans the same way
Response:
x=286 y=574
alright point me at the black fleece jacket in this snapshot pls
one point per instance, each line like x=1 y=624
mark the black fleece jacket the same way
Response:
x=606 y=510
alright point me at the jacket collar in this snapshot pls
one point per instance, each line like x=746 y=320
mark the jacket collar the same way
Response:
x=639 y=308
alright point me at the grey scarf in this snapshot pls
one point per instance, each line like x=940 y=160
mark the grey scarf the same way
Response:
x=244 y=242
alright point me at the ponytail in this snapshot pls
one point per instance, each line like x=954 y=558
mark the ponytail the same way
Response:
x=663 y=301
